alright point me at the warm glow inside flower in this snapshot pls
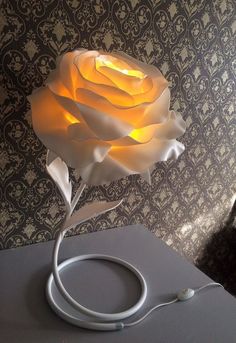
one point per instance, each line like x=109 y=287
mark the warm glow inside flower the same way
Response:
x=107 y=115
x=118 y=66
x=71 y=118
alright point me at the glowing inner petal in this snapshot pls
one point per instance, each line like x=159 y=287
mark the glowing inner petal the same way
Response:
x=71 y=118
x=115 y=65
x=144 y=134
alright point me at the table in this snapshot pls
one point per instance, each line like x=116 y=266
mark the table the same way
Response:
x=26 y=317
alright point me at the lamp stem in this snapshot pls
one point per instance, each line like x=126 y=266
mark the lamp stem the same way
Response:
x=102 y=320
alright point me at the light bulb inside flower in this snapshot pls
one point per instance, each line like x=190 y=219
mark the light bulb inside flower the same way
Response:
x=71 y=118
x=142 y=135
x=134 y=134
x=101 y=61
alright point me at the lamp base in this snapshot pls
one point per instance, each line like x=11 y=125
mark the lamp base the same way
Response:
x=95 y=320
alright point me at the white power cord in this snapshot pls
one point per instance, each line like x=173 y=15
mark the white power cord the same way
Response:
x=183 y=295
x=149 y=312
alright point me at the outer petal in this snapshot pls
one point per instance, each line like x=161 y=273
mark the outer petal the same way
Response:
x=126 y=161
x=157 y=112
x=65 y=79
x=50 y=124
x=80 y=132
x=74 y=70
x=105 y=172
x=141 y=157
x=172 y=128
x=129 y=115
x=69 y=106
x=115 y=95
x=103 y=125
x=137 y=116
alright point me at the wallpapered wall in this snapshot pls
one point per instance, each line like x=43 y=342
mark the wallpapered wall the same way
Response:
x=193 y=44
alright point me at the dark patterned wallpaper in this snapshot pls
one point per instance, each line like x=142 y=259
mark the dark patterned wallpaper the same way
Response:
x=193 y=43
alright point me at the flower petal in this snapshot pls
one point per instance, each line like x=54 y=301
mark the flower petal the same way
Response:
x=76 y=70
x=129 y=115
x=50 y=124
x=125 y=161
x=55 y=84
x=140 y=157
x=69 y=106
x=115 y=95
x=157 y=112
x=103 y=125
x=86 y=67
x=133 y=81
x=94 y=81
x=172 y=128
x=91 y=80
x=137 y=116
x=80 y=132
x=65 y=79
x=159 y=81
x=105 y=172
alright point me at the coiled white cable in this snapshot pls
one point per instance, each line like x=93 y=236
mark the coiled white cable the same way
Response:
x=108 y=322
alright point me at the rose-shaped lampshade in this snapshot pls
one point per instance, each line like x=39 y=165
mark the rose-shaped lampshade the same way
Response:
x=106 y=115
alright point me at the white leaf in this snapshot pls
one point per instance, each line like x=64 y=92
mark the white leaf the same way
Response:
x=90 y=211
x=58 y=171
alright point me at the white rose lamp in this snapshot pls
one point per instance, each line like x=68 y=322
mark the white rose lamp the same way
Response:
x=106 y=115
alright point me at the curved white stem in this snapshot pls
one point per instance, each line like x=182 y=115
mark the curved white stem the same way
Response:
x=106 y=317
x=82 y=309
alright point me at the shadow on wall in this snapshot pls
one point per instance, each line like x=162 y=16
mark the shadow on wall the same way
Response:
x=218 y=260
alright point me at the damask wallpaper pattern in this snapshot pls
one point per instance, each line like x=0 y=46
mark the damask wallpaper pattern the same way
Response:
x=193 y=43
